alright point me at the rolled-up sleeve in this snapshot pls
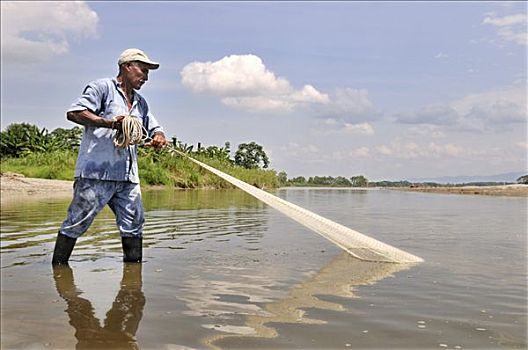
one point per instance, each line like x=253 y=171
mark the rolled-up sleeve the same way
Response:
x=91 y=98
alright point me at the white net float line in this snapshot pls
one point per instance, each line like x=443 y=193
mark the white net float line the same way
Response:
x=355 y=243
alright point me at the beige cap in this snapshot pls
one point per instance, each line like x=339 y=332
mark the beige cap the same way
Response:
x=130 y=55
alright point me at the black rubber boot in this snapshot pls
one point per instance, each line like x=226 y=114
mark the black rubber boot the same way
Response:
x=132 y=249
x=63 y=249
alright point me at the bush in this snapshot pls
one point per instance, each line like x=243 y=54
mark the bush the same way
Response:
x=19 y=140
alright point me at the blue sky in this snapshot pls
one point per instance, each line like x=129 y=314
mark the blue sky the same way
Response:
x=390 y=90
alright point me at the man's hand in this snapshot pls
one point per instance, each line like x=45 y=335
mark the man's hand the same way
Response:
x=117 y=122
x=158 y=141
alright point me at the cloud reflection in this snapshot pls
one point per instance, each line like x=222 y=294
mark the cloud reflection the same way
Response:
x=260 y=305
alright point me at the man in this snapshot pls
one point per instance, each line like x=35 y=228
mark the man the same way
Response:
x=105 y=174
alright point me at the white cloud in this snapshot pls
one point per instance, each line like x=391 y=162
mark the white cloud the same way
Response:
x=492 y=110
x=398 y=149
x=233 y=75
x=309 y=94
x=433 y=151
x=362 y=128
x=307 y=152
x=310 y=153
x=506 y=20
x=448 y=149
x=384 y=150
x=522 y=145
x=413 y=150
x=510 y=28
x=38 y=30
x=331 y=122
x=259 y=103
x=433 y=114
x=347 y=112
x=441 y=55
x=332 y=126
x=433 y=131
x=344 y=155
x=359 y=152
x=505 y=4
x=349 y=105
x=244 y=82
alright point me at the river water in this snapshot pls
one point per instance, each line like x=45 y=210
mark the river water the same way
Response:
x=222 y=270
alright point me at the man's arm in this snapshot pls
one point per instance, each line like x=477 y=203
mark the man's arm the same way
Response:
x=88 y=118
x=92 y=99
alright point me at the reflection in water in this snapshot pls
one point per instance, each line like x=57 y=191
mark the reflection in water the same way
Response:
x=338 y=279
x=181 y=217
x=122 y=320
x=180 y=229
x=26 y=227
x=199 y=199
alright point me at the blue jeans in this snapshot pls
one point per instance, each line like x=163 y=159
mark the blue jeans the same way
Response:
x=90 y=196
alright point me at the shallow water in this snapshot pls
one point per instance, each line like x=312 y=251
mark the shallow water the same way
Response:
x=222 y=270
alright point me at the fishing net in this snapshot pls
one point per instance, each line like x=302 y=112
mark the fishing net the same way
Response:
x=355 y=243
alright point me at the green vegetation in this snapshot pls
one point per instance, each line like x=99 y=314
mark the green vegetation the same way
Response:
x=34 y=152
x=251 y=156
x=326 y=181
x=24 y=139
x=166 y=168
x=386 y=183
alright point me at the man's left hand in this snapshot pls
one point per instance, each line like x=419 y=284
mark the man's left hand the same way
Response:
x=158 y=141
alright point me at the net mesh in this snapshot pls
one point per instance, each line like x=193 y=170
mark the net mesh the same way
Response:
x=357 y=244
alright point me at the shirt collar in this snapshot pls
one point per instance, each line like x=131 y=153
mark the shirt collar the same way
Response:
x=135 y=95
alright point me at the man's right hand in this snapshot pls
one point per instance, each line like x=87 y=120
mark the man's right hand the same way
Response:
x=117 y=122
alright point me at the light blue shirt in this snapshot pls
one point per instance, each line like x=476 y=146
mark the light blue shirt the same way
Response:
x=98 y=157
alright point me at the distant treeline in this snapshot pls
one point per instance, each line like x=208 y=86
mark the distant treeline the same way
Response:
x=324 y=181
x=433 y=184
x=362 y=181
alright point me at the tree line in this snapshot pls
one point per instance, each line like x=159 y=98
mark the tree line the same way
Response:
x=325 y=181
x=362 y=181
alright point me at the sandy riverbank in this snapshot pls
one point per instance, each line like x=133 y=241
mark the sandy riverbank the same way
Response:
x=16 y=187
x=502 y=190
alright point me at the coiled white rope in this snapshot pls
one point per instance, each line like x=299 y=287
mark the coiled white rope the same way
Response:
x=132 y=132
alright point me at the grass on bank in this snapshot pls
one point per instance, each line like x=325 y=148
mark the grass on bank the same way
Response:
x=58 y=165
x=155 y=168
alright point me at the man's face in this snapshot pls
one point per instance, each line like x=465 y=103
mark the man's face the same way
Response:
x=136 y=73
